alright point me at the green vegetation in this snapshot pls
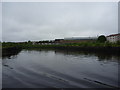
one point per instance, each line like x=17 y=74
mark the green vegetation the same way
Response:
x=101 y=39
x=100 y=45
x=82 y=44
x=6 y=45
x=95 y=46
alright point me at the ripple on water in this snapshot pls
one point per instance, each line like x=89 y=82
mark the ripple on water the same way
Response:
x=37 y=69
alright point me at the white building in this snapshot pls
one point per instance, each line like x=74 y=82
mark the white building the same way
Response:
x=81 y=38
x=113 y=38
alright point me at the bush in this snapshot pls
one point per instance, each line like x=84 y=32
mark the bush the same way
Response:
x=101 y=39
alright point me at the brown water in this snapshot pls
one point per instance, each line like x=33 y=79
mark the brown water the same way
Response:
x=59 y=69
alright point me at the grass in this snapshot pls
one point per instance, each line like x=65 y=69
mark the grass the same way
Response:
x=113 y=48
x=82 y=44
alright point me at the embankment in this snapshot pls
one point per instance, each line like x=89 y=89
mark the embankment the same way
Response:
x=8 y=51
x=95 y=49
x=91 y=47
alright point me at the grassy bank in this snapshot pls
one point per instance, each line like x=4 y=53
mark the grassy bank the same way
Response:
x=10 y=48
x=84 y=46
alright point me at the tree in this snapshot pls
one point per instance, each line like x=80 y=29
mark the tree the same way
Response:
x=29 y=42
x=101 y=39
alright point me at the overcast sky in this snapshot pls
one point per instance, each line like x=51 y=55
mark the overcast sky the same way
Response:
x=50 y=20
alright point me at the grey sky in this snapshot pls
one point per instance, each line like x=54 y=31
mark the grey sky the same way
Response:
x=50 y=20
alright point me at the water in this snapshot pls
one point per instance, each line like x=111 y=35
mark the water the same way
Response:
x=59 y=69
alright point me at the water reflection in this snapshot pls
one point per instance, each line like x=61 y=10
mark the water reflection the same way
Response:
x=101 y=56
x=59 y=68
x=10 y=54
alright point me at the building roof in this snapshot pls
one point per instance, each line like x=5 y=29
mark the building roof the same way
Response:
x=80 y=38
x=114 y=35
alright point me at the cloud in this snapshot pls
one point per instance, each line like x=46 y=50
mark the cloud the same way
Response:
x=50 y=20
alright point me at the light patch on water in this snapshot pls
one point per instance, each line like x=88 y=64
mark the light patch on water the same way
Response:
x=59 y=69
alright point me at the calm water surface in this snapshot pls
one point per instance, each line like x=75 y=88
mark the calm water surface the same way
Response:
x=59 y=69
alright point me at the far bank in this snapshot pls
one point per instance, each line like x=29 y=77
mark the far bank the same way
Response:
x=94 y=47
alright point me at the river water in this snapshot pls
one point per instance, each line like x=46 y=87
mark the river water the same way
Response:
x=59 y=69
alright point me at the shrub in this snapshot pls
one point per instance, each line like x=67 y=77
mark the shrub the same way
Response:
x=101 y=39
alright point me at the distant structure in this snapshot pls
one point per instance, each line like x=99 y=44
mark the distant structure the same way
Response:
x=58 y=41
x=78 y=39
x=65 y=41
x=113 y=38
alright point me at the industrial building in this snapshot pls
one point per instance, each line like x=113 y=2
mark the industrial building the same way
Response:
x=113 y=38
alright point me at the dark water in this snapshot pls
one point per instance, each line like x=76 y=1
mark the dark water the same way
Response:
x=59 y=69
